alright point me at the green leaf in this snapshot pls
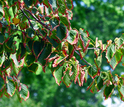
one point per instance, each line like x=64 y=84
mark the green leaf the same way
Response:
x=1 y=10
x=110 y=52
x=24 y=93
x=1 y=48
x=72 y=37
x=30 y=32
x=99 y=82
x=10 y=87
x=65 y=21
x=116 y=59
x=37 y=47
x=28 y=2
x=92 y=71
x=121 y=90
x=62 y=6
x=66 y=79
x=33 y=67
x=69 y=4
x=58 y=73
x=21 y=52
x=2 y=84
x=6 y=64
x=45 y=53
x=108 y=91
x=1 y=38
x=98 y=61
x=61 y=31
x=53 y=4
x=54 y=22
x=11 y=2
x=29 y=59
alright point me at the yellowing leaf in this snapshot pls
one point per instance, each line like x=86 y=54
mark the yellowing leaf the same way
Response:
x=16 y=21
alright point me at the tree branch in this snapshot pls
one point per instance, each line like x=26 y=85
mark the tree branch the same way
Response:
x=83 y=59
x=45 y=25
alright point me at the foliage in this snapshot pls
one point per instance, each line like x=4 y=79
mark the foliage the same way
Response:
x=39 y=34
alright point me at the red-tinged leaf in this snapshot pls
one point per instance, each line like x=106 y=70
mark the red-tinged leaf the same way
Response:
x=93 y=71
x=121 y=90
x=110 y=52
x=38 y=47
x=62 y=6
x=67 y=78
x=29 y=59
x=53 y=4
x=10 y=86
x=61 y=32
x=69 y=4
x=45 y=54
x=21 y=52
x=54 y=22
x=6 y=64
x=23 y=25
x=119 y=42
x=77 y=72
x=59 y=60
x=99 y=82
x=72 y=37
x=24 y=93
x=58 y=74
x=116 y=59
x=65 y=21
x=84 y=41
x=33 y=67
x=108 y=91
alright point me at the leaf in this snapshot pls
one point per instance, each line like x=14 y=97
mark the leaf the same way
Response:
x=53 y=4
x=21 y=52
x=16 y=21
x=29 y=59
x=98 y=61
x=69 y=4
x=2 y=83
x=10 y=86
x=1 y=38
x=61 y=31
x=66 y=78
x=121 y=90
x=33 y=67
x=58 y=73
x=116 y=59
x=65 y=21
x=72 y=37
x=92 y=71
x=45 y=53
x=62 y=6
x=28 y=2
x=6 y=64
x=1 y=10
x=110 y=52
x=54 y=22
x=58 y=60
x=30 y=32
x=24 y=93
x=99 y=82
x=38 y=47
x=108 y=90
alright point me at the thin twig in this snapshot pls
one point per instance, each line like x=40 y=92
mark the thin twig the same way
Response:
x=83 y=59
x=27 y=18
x=45 y=25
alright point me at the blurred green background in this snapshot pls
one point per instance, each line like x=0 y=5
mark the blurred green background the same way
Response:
x=102 y=19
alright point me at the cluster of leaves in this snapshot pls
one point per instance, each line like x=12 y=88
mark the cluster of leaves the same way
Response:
x=38 y=33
